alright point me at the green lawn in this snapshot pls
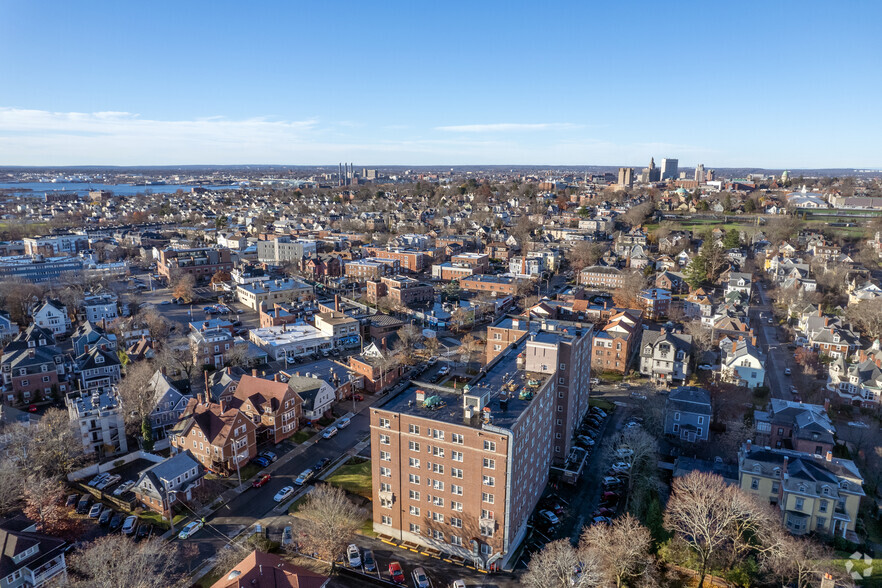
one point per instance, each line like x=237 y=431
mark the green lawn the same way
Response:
x=296 y=504
x=367 y=529
x=602 y=404
x=875 y=578
x=354 y=478
x=157 y=521
x=302 y=435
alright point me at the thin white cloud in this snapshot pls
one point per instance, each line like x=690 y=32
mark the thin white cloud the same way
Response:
x=507 y=127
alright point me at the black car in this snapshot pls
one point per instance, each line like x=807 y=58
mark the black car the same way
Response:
x=84 y=504
x=144 y=531
x=72 y=500
x=106 y=514
x=368 y=561
x=321 y=464
x=116 y=521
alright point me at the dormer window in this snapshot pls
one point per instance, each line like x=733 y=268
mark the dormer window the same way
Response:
x=757 y=467
x=99 y=359
x=802 y=488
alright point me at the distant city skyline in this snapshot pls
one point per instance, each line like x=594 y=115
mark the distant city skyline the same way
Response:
x=779 y=86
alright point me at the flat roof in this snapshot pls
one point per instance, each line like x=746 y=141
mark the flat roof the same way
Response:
x=501 y=373
x=287 y=334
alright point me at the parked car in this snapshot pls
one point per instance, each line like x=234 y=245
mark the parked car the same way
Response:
x=269 y=455
x=624 y=452
x=144 y=531
x=353 y=555
x=585 y=441
x=284 y=494
x=260 y=481
x=611 y=481
x=321 y=464
x=604 y=512
x=98 y=479
x=787 y=371
x=261 y=461
x=594 y=381
x=304 y=477
x=601 y=520
x=116 y=521
x=368 y=561
x=72 y=500
x=705 y=366
x=443 y=371
x=549 y=517
x=343 y=423
x=131 y=523
x=105 y=517
x=553 y=505
x=396 y=574
x=638 y=396
x=597 y=410
x=287 y=536
x=84 y=503
x=107 y=482
x=329 y=432
x=621 y=466
x=189 y=530
x=610 y=497
x=420 y=579
x=123 y=488
x=458 y=584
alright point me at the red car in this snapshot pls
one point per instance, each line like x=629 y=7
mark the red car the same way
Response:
x=32 y=408
x=261 y=481
x=396 y=573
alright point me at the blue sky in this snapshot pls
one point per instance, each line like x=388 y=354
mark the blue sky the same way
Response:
x=768 y=84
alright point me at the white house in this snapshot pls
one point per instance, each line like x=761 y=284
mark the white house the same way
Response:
x=8 y=329
x=102 y=307
x=52 y=316
x=742 y=363
x=317 y=395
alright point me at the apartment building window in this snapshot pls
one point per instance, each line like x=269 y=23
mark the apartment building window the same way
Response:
x=455 y=522
x=438 y=500
x=486 y=531
x=489 y=481
x=558 y=422
x=414 y=528
x=384 y=423
x=486 y=514
x=457 y=506
x=823 y=506
x=386 y=472
x=438 y=451
x=701 y=420
x=413 y=446
x=415 y=429
x=384 y=439
x=415 y=511
x=490 y=446
x=438 y=468
x=438 y=534
x=456 y=438
x=437 y=434
x=386 y=503
x=488 y=498
x=387 y=520
x=414 y=495
x=456 y=472
x=456 y=540
x=385 y=456
x=413 y=478
x=456 y=455
x=775 y=488
x=457 y=490
x=437 y=516
x=437 y=484
x=800 y=503
x=413 y=462
x=385 y=487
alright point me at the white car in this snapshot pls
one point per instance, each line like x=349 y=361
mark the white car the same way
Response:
x=284 y=494
x=638 y=396
x=123 y=488
x=130 y=524
x=329 y=432
x=787 y=372
x=98 y=479
x=594 y=381
x=353 y=555
x=190 y=529
x=620 y=467
x=858 y=424
x=705 y=366
x=458 y=584
x=611 y=481
x=624 y=452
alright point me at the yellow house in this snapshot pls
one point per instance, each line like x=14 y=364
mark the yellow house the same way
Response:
x=813 y=493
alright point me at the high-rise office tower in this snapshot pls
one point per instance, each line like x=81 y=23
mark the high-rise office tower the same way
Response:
x=626 y=176
x=699 y=173
x=669 y=169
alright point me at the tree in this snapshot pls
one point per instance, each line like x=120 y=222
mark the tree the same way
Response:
x=802 y=562
x=237 y=356
x=183 y=285
x=55 y=448
x=702 y=336
x=176 y=357
x=220 y=276
x=866 y=315
x=585 y=254
x=331 y=520
x=115 y=561
x=556 y=564
x=626 y=295
x=11 y=485
x=621 y=549
x=432 y=346
x=732 y=240
x=639 y=450
x=147 y=434
x=157 y=325
x=637 y=215
x=43 y=499
x=137 y=397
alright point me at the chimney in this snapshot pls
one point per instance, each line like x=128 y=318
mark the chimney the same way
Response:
x=784 y=469
x=162 y=370
x=200 y=397
x=383 y=340
x=826 y=321
x=204 y=325
x=223 y=406
x=277 y=378
x=228 y=370
x=829 y=456
x=878 y=363
x=826 y=404
x=253 y=372
x=753 y=341
x=734 y=346
x=337 y=302
x=420 y=396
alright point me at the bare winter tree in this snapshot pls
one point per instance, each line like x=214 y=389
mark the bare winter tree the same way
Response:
x=331 y=520
x=639 y=450
x=176 y=357
x=55 y=448
x=11 y=485
x=621 y=549
x=43 y=503
x=136 y=395
x=802 y=562
x=560 y=565
x=115 y=561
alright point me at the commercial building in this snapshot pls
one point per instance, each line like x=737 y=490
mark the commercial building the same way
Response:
x=38 y=268
x=271 y=291
x=344 y=330
x=199 y=262
x=670 y=169
x=99 y=418
x=626 y=176
x=55 y=244
x=505 y=285
x=461 y=471
x=279 y=249
x=291 y=340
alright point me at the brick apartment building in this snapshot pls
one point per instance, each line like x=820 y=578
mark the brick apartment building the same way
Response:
x=200 y=262
x=410 y=260
x=616 y=342
x=402 y=290
x=448 y=271
x=505 y=285
x=479 y=262
x=655 y=302
x=32 y=368
x=371 y=268
x=217 y=435
x=212 y=346
x=598 y=276
x=462 y=470
x=502 y=334
x=369 y=365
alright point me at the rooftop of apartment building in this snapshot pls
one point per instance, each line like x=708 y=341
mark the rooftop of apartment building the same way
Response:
x=273 y=286
x=497 y=388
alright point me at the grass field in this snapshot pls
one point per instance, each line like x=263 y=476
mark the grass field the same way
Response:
x=354 y=478
x=602 y=404
x=302 y=435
